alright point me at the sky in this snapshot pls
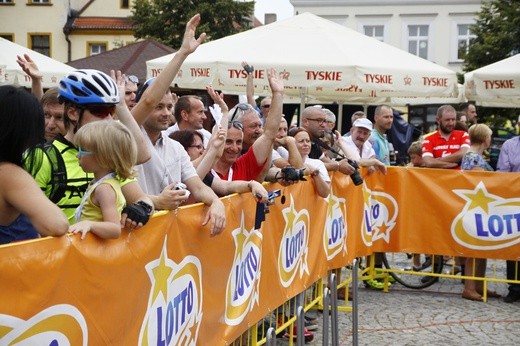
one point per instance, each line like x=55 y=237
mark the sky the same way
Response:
x=282 y=8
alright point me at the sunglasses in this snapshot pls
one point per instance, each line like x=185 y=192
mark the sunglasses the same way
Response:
x=266 y=106
x=82 y=152
x=132 y=79
x=100 y=111
x=241 y=106
x=236 y=124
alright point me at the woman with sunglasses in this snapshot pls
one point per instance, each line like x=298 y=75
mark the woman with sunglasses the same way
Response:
x=22 y=202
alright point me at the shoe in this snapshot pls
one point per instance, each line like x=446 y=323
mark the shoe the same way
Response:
x=311 y=325
x=512 y=297
x=376 y=285
x=472 y=295
x=311 y=319
x=308 y=336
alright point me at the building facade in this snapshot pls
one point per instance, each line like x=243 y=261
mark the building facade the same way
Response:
x=67 y=30
x=436 y=30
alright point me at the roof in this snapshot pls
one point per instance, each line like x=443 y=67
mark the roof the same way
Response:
x=130 y=59
x=96 y=23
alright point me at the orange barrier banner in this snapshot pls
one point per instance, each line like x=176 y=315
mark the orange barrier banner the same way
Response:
x=169 y=283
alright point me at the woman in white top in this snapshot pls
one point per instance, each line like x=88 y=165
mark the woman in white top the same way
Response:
x=318 y=172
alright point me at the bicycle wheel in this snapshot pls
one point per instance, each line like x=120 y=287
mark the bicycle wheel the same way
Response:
x=407 y=274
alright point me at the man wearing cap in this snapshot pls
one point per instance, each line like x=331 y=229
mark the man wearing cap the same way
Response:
x=359 y=148
x=355 y=116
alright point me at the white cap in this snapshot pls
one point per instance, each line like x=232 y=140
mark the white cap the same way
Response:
x=363 y=122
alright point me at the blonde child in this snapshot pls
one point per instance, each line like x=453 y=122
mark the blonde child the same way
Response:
x=108 y=150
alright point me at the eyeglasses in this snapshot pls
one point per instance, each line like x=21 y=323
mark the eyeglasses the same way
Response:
x=319 y=121
x=132 y=79
x=82 y=152
x=241 y=106
x=236 y=124
x=100 y=111
x=198 y=146
x=266 y=106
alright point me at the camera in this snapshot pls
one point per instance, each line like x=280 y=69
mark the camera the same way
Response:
x=292 y=174
x=181 y=186
x=271 y=195
x=356 y=177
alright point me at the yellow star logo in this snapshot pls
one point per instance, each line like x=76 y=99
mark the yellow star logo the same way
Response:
x=161 y=274
x=332 y=202
x=290 y=215
x=478 y=198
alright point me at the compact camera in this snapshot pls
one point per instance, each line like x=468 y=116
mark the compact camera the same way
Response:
x=181 y=186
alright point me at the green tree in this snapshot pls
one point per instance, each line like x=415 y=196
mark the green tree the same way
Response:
x=165 y=20
x=497 y=30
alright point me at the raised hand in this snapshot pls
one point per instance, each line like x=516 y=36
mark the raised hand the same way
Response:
x=275 y=82
x=189 y=42
x=29 y=66
x=217 y=98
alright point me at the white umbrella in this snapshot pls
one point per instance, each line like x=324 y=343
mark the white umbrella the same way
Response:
x=318 y=59
x=11 y=73
x=495 y=85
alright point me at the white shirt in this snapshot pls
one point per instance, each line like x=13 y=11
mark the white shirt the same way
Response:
x=318 y=164
x=367 y=151
x=169 y=163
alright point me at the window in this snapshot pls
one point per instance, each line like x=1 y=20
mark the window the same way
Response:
x=96 y=48
x=375 y=31
x=464 y=39
x=418 y=40
x=125 y=4
x=40 y=1
x=377 y=27
x=8 y=37
x=41 y=44
x=6 y=1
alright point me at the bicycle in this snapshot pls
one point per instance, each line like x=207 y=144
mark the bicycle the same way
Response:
x=405 y=268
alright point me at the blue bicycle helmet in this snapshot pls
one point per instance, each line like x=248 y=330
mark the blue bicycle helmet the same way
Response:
x=88 y=86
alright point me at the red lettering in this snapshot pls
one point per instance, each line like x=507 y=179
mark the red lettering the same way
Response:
x=352 y=88
x=199 y=72
x=435 y=81
x=323 y=75
x=156 y=71
x=379 y=78
x=234 y=73
x=499 y=84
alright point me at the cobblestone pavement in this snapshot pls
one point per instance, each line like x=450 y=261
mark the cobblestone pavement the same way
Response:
x=436 y=315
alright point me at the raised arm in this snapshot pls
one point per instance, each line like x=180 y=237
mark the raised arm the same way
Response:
x=263 y=145
x=250 y=88
x=156 y=91
x=31 y=68
x=124 y=115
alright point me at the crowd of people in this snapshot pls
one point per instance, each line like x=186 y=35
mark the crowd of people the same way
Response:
x=102 y=152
